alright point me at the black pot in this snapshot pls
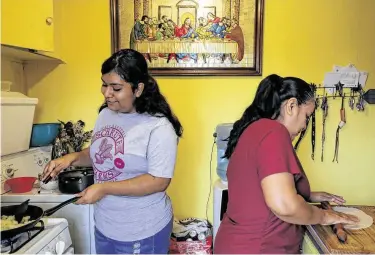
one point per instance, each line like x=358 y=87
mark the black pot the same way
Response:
x=75 y=181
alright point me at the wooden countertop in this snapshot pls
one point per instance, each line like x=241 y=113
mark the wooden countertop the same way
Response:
x=360 y=241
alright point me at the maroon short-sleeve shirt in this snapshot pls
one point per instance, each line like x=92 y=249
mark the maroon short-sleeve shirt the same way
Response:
x=249 y=226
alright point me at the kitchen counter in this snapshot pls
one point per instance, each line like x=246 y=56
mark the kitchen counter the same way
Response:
x=43 y=197
x=360 y=241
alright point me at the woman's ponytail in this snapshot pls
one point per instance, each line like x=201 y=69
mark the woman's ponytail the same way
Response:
x=266 y=104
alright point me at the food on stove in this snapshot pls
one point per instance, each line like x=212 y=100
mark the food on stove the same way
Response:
x=365 y=220
x=9 y=222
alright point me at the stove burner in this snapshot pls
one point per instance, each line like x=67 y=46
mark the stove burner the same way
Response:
x=15 y=243
x=6 y=245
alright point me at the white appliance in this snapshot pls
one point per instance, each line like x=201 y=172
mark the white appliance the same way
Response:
x=54 y=238
x=17 y=115
x=79 y=217
x=220 y=204
x=221 y=135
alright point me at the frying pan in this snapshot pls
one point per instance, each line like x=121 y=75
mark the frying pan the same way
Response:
x=35 y=213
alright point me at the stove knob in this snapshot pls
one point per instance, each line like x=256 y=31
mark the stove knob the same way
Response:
x=60 y=247
x=9 y=171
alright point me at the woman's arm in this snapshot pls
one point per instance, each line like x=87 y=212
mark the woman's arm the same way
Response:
x=161 y=157
x=54 y=167
x=276 y=164
x=317 y=197
x=142 y=185
x=281 y=197
x=82 y=158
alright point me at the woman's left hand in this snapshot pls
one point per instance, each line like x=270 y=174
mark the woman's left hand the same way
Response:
x=317 y=197
x=91 y=194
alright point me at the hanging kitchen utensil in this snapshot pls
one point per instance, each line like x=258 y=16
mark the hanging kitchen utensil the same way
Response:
x=299 y=139
x=369 y=96
x=317 y=102
x=338 y=90
x=340 y=126
x=313 y=135
x=351 y=99
x=313 y=128
x=324 y=107
x=313 y=86
x=360 y=105
x=304 y=131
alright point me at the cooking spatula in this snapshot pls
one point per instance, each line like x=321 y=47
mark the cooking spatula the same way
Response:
x=21 y=210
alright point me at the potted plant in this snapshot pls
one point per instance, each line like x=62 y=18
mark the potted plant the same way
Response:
x=71 y=138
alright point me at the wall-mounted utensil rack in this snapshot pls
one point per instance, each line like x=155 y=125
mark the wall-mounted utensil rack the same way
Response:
x=357 y=99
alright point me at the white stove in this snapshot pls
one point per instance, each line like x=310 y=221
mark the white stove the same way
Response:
x=79 y=217
x=52 y=238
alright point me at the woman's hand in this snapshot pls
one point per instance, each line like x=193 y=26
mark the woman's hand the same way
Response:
x=332 y=217
x=317 y=197
x=91 y=194
x=54 y=167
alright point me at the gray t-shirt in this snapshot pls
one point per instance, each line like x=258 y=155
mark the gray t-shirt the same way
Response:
x=126 y=145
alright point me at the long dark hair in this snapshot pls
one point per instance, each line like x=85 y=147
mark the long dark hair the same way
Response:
x=271 y=93
x=131 y=66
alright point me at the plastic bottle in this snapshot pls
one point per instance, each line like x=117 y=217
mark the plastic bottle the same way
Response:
x=222 y=133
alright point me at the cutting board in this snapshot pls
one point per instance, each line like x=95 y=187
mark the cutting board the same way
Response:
x=360 y=241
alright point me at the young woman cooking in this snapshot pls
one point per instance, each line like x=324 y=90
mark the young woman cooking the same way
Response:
x=133 y=153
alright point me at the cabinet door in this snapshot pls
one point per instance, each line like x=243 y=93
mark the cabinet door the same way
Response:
x=27 y=24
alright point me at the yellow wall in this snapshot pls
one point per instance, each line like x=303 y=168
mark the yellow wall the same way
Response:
x=12 y=70
x=302 y=38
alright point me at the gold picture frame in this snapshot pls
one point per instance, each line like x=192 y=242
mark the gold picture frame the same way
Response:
x=191 y=37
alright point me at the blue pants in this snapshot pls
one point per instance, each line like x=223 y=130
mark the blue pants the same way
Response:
x=157 y=244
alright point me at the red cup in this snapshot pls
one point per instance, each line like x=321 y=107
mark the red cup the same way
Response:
x=21 y=184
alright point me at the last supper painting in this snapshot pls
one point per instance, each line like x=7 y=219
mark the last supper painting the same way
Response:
x=192 y=37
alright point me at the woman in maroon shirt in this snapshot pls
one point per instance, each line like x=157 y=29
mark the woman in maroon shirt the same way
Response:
x=267 y=187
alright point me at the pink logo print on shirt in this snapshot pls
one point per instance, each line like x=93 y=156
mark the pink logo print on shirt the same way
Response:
x=108 y=175
x=115 y=134
x=119 y=163
x=104 y=152
x=108 y=144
